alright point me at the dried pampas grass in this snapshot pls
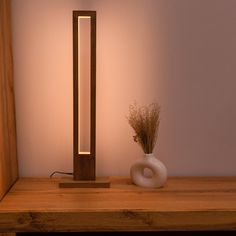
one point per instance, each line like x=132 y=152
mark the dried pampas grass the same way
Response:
x=145 y=121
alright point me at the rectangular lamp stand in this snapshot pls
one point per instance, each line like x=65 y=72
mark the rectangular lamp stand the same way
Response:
x=100 y=182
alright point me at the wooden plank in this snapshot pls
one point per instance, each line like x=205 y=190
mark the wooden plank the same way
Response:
x=194 y=203
x=8 y=160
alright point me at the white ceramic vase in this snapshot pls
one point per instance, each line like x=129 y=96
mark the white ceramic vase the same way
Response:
x=158 y=172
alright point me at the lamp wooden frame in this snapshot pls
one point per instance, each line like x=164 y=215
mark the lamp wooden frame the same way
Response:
x=84 y=165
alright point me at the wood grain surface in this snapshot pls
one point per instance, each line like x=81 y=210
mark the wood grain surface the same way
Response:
x=193 y=203
x=8 y=159
x=7 y=234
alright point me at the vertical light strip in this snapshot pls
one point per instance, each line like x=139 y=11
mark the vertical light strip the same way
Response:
x=78 y=84
x=83 y=87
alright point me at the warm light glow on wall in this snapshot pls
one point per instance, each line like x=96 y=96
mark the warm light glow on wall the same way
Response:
x=150 y=50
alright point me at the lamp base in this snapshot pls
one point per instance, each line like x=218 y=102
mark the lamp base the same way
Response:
x=100 y=182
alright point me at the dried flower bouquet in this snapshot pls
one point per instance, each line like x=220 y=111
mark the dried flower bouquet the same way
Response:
x=145 y=121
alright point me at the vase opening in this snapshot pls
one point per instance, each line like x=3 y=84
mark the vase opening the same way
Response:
x=147 y=155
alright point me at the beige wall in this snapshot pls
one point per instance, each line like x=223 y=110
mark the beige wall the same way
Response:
x=180 y=53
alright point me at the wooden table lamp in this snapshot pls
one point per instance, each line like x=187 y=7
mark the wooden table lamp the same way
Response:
x=84 y=107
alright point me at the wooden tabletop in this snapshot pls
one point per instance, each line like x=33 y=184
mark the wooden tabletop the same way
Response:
x=184 y=203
